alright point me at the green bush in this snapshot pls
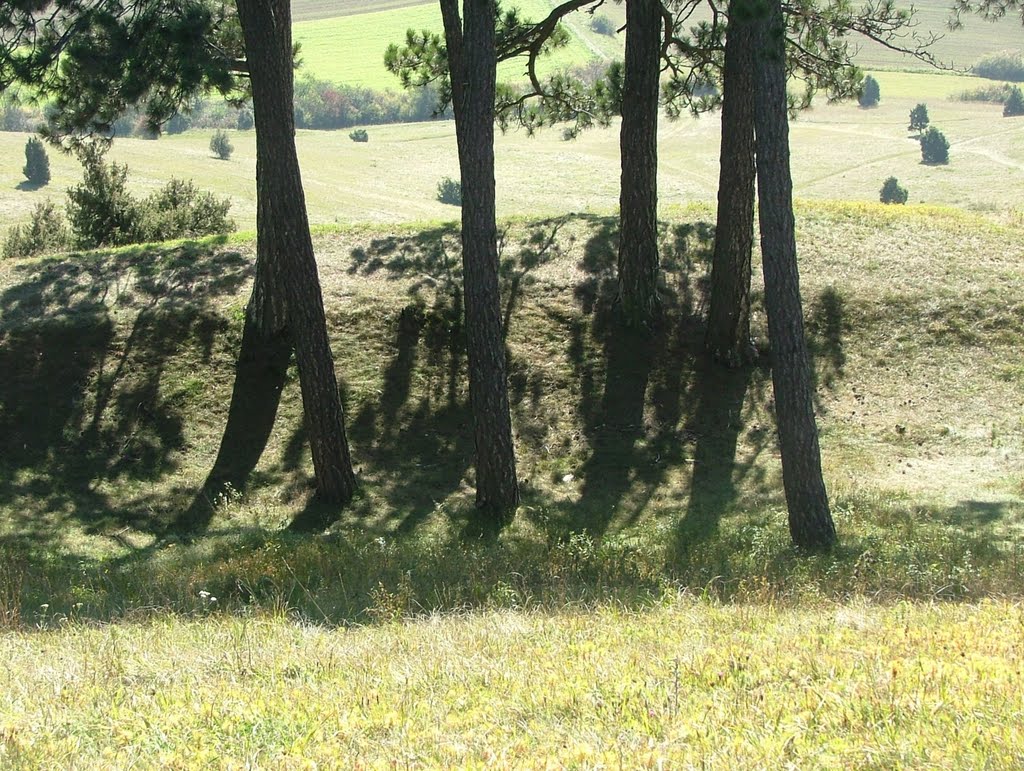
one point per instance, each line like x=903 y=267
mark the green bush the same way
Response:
x=992 y=93
x=220 y=145
x=1001 y=65
x=359 y=135
x=934 y=147
x=918 y=118
x=892 y=192
x=101 y=210
x=602 y=25
x=180 y=210
x=46 y=232
x=37 y=164
x=245 y=119
x=449 y=191
x=1014 y=104
x=103 y=213
x=870 y=93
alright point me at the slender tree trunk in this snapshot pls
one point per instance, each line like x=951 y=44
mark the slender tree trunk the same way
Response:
x=728 y=336
x=810 y=521
x=473 y=61
x=284 y=244
x=638 y=144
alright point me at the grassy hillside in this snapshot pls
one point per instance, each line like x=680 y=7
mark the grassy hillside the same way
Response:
x=838 y=152
x=345 y=41
x=645 y=607
x=350 y=49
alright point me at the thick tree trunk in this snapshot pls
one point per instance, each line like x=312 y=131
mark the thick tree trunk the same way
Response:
x=728 y=336
x=284 y=245
x=473 y=60
x=638 y=144
x=810 y=521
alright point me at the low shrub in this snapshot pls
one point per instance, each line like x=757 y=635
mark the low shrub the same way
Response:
x=359 y=135
x=47 y=232
x=1014 y=104
x=870 y=93
x=181 y=210
x=891 y=192
x=449 y=191
x=991 y=93
x=934 y=147
x=1000 y=65
x=220 y=145
x=602 y=25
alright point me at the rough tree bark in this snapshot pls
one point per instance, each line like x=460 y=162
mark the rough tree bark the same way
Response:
x=810 y=521
x=728 y=335
x=284 y=246
x=473 y=61
x=638 y=143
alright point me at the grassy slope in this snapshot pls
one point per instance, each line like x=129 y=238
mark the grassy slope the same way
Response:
x=350 y=49
x=346 y=41
x=661 y=480
x=835 y=148
x=687 y=685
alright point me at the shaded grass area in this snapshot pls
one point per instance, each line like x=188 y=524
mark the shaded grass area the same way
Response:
x=645 y=469
x=684 y=684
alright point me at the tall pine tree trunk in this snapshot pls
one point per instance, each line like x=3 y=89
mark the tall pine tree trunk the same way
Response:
x=473 y=60
x=638 y=144
x=810 y=521
x=284 y=245
x=728 y=335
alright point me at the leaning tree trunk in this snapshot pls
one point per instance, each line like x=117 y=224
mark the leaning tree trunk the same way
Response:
x=284 y=244
x=728 y=336
x=473 y=61
x=810 y=521
x=638 y=144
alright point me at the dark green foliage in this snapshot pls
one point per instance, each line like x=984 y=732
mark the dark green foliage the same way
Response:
x=934 y=147
x=892 y=192
x=180 y=210
x=870 y=93
x=178 y=124
x=103 y=213
x=245 y=120
x=992 y=93
x=449 y=191
x=220 y=145
x=1014 y=103
x=37 y=164
x=1001 y=65
x=602 y=25
x=101 y=210
x=47 y=232
x=918 y=118
x=359 y=135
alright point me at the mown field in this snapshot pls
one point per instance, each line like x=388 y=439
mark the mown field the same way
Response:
x=345 y=41
x=839 y=151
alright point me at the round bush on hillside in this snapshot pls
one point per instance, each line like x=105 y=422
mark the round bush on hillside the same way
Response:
x=870 y=93
x=449 y=191
x=892 y=192
x=934 y=147
x=1014 y=104
x=221 y=145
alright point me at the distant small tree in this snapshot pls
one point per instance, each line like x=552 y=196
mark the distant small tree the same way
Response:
x=918 y=118
x=870 y=93
x=892 y=192
x=220 y=145
x=934 y=147
x=359 y=135
x=37 y=164
x=245 y=120
x=1014 y=104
